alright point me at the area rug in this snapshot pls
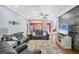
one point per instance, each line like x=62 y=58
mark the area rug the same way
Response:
x=46 y=46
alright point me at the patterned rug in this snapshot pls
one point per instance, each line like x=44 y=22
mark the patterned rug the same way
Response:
x=46 y=46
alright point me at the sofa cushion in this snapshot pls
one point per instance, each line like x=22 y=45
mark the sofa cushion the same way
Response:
x=9 y=38
x=21 y=47
x=14 y=38
x=5 y=48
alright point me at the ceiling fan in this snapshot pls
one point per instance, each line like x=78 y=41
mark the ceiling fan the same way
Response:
x=42 y=14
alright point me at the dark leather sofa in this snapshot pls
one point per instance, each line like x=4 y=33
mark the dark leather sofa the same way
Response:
x=20 y=48
x=37 y=34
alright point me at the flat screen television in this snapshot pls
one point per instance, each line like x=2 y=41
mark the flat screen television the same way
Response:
x=63 y=28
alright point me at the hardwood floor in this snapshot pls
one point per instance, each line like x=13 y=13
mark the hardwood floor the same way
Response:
x=44 y=45
x=67 y=51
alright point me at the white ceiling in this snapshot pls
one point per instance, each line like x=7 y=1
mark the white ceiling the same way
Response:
x=31 y=11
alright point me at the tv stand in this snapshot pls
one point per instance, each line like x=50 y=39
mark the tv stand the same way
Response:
x=64 y=41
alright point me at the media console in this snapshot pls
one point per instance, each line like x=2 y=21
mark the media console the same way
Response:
x=64 y=40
